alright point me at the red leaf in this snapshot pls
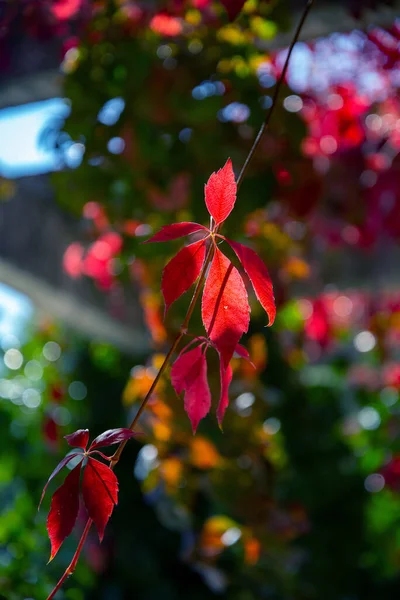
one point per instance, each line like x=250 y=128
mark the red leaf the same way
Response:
x=78 y=439
x=182 y=271
x=225 y=308
x=100 y=493
x=220 y=193
x=242 y=352
x=259 y=277
x=233 y=7
x=226 y=378
x=189 y=374
x=175 y=231
x=111 y=436
x=64 y=510
x=58 y=468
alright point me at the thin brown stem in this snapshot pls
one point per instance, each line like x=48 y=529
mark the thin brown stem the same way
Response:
x=275 y=96
x=72 y=565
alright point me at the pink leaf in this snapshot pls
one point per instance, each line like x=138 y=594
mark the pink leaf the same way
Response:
x=189 y=374
x=78 y=439
x=233 y=7
x=111 y=436
x=64 y=510
x=175 y=231
x=182 y=271
x=226 y=378
x=100 y=493
x=220 y=193
x=259 y=277
x=65 y=9
x=225 y=308
x=58 y=468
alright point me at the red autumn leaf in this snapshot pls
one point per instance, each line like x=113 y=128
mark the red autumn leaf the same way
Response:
x=220 y=193
x=182 y=271
x=189 y=374
x=78 y=439
x=100 y=493
x=64 y=510
x=111 y=436
x=242 y=352
x=58 y=468
x=225 y=308
x=259 y=277
x=233 y=7
x=175 y=231
x=226 y=378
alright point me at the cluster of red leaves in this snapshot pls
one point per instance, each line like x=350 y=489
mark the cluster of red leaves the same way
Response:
x=225 y=309
x=337 y=124
x=97 y=261
x=99 y=486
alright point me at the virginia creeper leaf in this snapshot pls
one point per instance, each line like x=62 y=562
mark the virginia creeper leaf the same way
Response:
x=259 y=277
x=175 y=231
x=100 y=493
x=64 y=510
x=220 y=193
x=225 y=308
x=242 y=352
x=233 y=7
x=226 y=378
x=182 y=271
x=111 y=436
x=189 y=374
x=78 y=439
x=58 y=468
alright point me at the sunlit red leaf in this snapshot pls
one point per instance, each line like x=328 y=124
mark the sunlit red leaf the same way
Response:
x=225 y=308
x=189 y=375
x=78 y=439
x=182 y=271
x=58 y=468
x=259 y=277
x=220 y=193
x=226 y=378
x=233 y=7
x=111 y=436
x=175 y=231
x=100 y=493
x=64 y=510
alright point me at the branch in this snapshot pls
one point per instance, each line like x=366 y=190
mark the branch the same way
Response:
x=71 y=567
x=275 y=96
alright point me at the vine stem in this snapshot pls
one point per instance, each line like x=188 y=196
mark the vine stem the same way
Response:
x=184 y=327
x=71 y=567
x=267 y=120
